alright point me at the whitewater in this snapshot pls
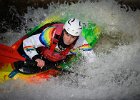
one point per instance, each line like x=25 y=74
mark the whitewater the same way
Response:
x=111 y=73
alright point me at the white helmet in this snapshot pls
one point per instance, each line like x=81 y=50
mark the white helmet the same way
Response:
x=73 y=26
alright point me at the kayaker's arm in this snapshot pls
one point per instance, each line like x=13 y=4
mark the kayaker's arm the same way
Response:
x=82 y=46
x=86 y=50
x=30 y=44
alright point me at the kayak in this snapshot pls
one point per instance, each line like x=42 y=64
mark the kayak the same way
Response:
x=7 y=65
x=10 y=55
x=7 y=68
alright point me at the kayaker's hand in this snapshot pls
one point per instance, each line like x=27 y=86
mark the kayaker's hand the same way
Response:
x=40 y=62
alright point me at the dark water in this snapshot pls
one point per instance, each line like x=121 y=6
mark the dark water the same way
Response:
x=12 y=11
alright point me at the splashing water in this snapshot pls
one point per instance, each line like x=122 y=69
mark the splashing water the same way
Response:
x=114 y=74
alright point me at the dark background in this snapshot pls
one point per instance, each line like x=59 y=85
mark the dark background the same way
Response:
x=11 y=11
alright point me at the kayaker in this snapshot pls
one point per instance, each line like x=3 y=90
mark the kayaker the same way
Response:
x=55 y=42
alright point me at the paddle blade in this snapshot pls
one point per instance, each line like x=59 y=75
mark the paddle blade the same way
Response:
x=9 y=55
x=5 y=59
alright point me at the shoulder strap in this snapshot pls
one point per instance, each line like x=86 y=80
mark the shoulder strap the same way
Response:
x=57 y=34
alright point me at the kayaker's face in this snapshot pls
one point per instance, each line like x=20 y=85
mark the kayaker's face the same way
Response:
x=68 y=39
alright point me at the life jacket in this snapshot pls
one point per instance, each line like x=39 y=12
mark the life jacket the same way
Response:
x=49 y=52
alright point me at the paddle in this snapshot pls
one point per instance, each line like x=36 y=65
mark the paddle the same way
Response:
x=32 y=68
x=9 y=55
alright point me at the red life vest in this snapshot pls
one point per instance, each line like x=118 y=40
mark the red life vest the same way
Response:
x=50 y=53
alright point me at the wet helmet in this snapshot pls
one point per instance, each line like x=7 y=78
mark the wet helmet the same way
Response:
x=73 y=26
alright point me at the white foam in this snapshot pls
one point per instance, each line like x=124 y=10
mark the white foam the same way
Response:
x=110 y=76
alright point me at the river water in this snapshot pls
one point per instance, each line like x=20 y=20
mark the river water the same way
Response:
x=112 y=73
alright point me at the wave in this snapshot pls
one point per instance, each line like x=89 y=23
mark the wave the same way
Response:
x=112 y=72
